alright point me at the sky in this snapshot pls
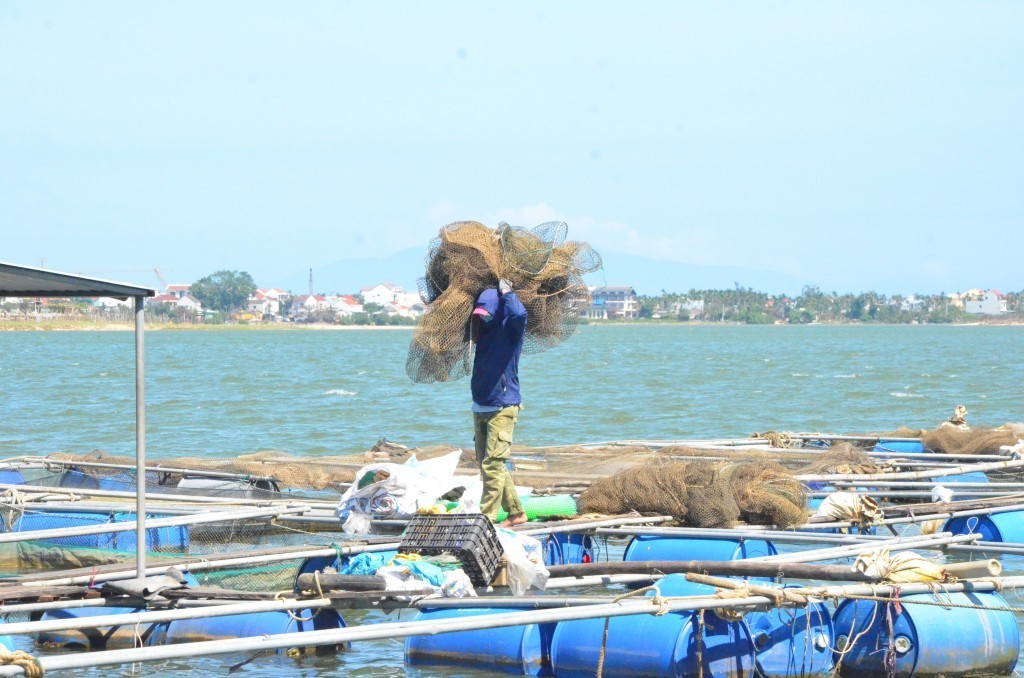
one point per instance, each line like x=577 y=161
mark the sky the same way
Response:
x=859 y=146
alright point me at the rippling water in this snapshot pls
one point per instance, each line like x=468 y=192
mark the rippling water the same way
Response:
x=223 y=393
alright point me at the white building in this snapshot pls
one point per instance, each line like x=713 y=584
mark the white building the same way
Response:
x=991 y=302
x=384 y=293
x=612 y=302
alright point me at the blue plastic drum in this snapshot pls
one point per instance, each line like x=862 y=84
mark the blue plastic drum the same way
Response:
x=656 y=547
x=522 y=650
x=675 y=644
x=568 y=549
x=1003 y=527
x=915 y=447
x=927 y=640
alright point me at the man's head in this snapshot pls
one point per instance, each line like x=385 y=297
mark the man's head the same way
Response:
x=486 y=305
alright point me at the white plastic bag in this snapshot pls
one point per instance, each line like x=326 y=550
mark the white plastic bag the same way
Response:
x=408 y=487
x=524 y=561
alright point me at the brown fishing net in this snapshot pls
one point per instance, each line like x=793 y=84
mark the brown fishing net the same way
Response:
x=545 y=270
x=843 y=458
x=702 y=493
x=950 y=440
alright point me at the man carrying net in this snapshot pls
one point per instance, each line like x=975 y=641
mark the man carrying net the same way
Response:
x=500 y=320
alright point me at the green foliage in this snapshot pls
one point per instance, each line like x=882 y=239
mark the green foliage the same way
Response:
x=224 y=291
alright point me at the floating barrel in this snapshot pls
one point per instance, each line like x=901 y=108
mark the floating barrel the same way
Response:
x=658 y=547
x=175 y=538
x=1005 y=527
x=522 y=650
x=646 y=645
x=791 y=642
x=568 y=549
x=103 y=638
x=971 y=477
x=788 y=642
x=12 y=477
x=927 y=640
x=253 y=625
x=182 y=630
x=915 y=447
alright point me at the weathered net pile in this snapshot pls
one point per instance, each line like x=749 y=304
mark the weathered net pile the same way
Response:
x=843 y=458
x=703 y=493
x=950 y=440
x=545 y=270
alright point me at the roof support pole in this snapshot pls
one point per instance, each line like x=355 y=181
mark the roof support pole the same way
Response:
x=140 y=438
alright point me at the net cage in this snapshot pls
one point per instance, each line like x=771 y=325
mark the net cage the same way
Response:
x=545 y=270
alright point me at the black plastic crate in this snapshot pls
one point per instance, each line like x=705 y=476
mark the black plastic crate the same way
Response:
x=470 y=537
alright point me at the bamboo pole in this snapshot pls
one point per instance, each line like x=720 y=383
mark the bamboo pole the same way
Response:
x=733 y=568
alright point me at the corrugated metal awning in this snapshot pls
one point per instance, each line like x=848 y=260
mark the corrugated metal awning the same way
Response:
x=25 y=281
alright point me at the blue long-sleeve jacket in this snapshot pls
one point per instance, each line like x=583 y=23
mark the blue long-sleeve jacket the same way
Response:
x=495 y=381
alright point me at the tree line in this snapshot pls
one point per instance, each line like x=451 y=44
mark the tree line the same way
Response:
x=745 y=305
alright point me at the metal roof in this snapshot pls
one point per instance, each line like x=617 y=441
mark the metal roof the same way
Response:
x=25 y=281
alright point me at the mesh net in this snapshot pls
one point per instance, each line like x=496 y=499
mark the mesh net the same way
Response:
x=545 y=270
x=950 y=440
x=702 y=493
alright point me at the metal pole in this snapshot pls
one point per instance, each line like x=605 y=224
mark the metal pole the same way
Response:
x=140 y=438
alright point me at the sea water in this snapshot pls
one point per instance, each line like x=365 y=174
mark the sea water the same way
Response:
x=225 y=393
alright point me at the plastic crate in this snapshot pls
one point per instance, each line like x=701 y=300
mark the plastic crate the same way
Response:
x=470 y=537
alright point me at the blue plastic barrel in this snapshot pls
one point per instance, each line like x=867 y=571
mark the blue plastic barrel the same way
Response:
x=927 y=640
x=788 y=642
x=645 y=645
x=568 y=549
x=11 y=477
x=1005 y=527
x=254 y=625
x=656 y=547
x=522 y=650
x=103 y=638
x=915 y=447
x=791 y=642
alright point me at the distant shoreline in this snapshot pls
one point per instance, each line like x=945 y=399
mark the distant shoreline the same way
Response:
x=66 y=326
x=92 y=326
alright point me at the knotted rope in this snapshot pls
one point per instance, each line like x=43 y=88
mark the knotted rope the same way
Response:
x=660 y=602
x=28 y=663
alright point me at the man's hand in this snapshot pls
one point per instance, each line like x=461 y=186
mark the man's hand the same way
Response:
x=504 y=286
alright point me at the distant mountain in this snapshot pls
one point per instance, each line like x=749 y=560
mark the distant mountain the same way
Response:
x=348 y=276
x=647 y=276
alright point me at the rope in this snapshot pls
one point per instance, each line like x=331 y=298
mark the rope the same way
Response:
x=945 y=604
x=28 y=663
x=663 y=608
x=774 y=438
x=320 y=594
x=700 y=644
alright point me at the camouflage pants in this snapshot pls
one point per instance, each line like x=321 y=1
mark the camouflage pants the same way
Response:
x=492 y=434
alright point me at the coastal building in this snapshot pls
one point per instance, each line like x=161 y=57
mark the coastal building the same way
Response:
x=309 y=304
x=178 y=291
x=990 y=302
x=384 y=293
x=958 y=299
x=345 y=305
x=266 y=302
x=612 y=302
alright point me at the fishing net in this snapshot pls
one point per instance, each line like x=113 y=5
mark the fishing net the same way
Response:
x=951 y=440
x=545 y=270
x=844 y=458
x=702 y=493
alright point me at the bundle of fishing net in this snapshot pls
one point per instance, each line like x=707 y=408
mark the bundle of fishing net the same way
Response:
x=843 y=458
x=703 y=493
x=545 y=270
x=951 y=440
